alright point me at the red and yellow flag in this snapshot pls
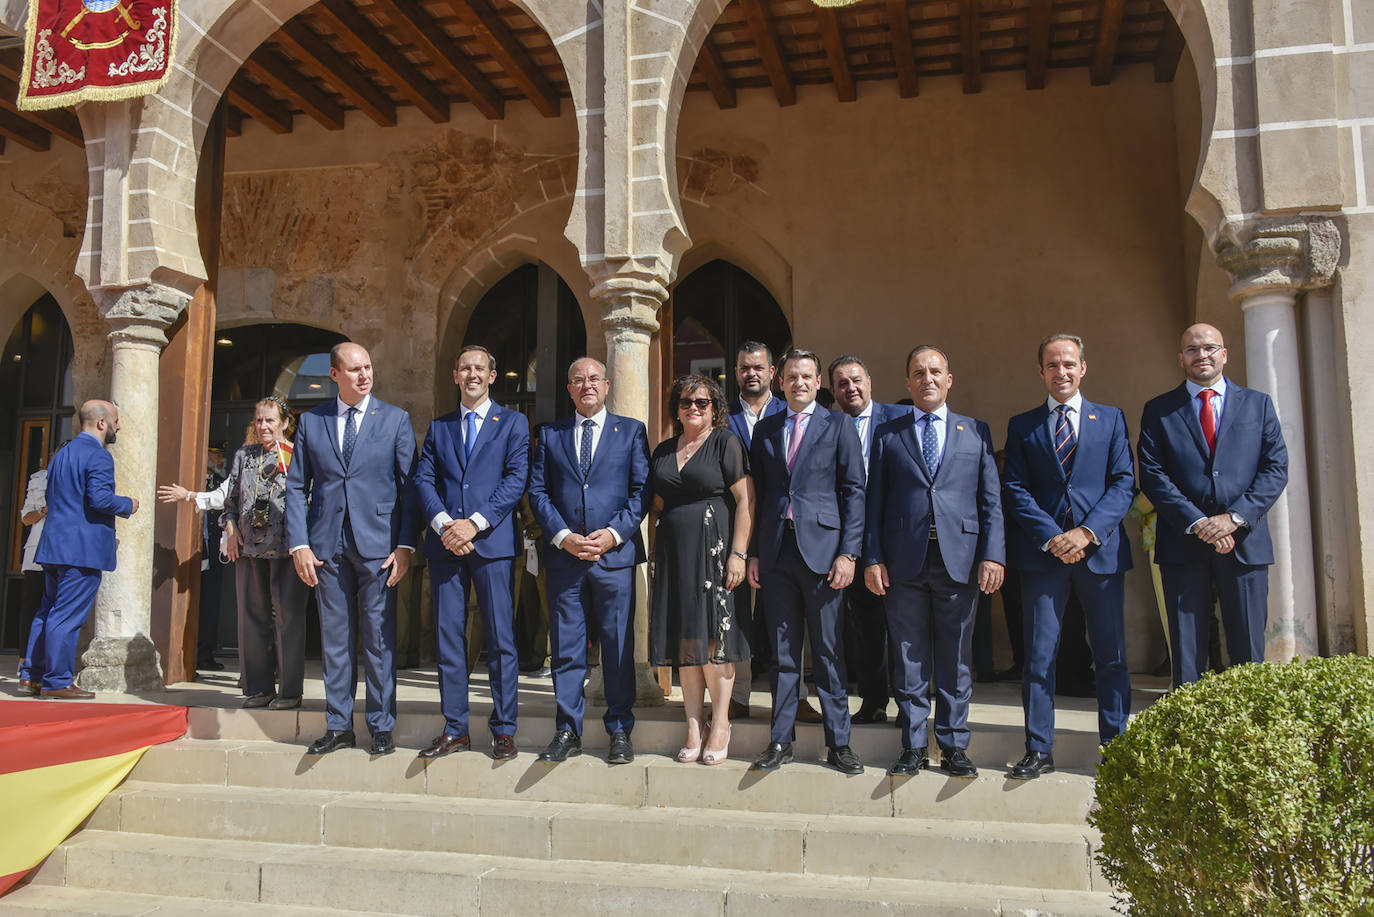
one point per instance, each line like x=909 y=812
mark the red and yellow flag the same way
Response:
x=284 y=450
x=58 y=760
x=95 y=50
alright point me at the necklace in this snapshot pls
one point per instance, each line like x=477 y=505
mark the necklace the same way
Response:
x=690 y=449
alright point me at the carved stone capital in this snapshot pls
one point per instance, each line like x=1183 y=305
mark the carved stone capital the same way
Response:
x=141 y=315
x=1292 y=253
x=630 y=293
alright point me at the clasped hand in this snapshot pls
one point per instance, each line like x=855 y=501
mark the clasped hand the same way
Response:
x=458 y=535
x=1218 y=531
x=588 y=547
x=1071 y=546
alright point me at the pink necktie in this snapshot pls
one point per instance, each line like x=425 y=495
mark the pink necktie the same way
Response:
x=797 y=430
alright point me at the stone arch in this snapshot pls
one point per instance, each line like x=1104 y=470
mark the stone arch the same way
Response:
x=719 y=237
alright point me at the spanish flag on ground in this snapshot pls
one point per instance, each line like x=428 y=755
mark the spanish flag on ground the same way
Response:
x=58 y=760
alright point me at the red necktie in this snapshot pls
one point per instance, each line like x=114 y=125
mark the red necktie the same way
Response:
x=1209 y=420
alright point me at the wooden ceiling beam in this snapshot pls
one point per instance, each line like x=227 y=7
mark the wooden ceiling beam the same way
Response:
x=233 y=121
x=903 y=52
x=315 y=53
x=361 y=36
x=832 y=37
x=64 y=124
x=1108 y=35
x=712 y=68
x=1170 y=51
x=765 y=33
x=970 y=45
x=421 y=30
x=259 y=104
x=11 y=63
x=1038 y=43
x=24 y=132
x=491 y=30
x=268 y=67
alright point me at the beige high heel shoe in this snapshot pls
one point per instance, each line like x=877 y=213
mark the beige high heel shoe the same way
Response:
x=689 y=753
x=715 y=757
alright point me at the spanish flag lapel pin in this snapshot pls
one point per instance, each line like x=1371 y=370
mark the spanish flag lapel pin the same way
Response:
x=1092 y=416
x=959 y=426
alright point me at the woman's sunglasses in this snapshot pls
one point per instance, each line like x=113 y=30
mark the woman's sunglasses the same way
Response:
x=701 y=403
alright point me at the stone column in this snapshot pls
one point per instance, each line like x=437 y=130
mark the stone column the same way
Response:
x=1271 y=260
x=630 y=298
x=121 y=657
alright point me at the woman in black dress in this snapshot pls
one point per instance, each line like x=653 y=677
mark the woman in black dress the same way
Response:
x=705 y=501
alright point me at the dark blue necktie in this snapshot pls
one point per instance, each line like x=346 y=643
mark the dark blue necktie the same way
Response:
x=350 y=435
x=584 y=459
x=930 y=445
x=469 y=434
x=1065 y=440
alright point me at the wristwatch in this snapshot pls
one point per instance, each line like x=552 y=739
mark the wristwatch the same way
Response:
x=1237 y=518
x=740 y=554
x=850 y=557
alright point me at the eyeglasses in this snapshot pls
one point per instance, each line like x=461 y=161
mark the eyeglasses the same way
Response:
x=581 y=381
x=701 y=403
x=1206 y=350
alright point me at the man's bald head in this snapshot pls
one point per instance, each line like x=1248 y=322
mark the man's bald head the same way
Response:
x=100 y=419
x=1202 y=353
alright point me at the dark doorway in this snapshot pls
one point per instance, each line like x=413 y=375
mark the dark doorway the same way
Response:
x=715 y=309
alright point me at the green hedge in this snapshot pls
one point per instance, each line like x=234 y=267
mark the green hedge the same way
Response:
x=1248 y=793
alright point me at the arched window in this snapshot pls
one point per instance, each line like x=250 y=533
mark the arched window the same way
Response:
x=715 y=309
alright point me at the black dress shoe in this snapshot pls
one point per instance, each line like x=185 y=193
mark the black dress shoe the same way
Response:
x=332 y=740
x=284 y=703
x=955 y=762
x=866 y=715
x=565 y=745
x=503 y=747
x=622 y=752
x=445 y=745
x=910 y=763
x=210 y=665
x=259 y=700
x=1033 y=765
x=774 y=756
x=843 y=759
x=381 y=744
x=30 y=688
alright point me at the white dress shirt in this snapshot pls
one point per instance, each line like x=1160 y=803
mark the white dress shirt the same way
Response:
x=598 y=425
x=863 y=423
x=1218 y=401
x=342 y=416
x=1075 y=413
x=442 y=518
x=941 y=412
x=750 y=418
x=803 y=422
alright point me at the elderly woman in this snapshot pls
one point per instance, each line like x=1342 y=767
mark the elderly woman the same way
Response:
x=705 y=502
x=271 y=598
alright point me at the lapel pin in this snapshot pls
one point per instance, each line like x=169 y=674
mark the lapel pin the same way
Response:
x=958 y=426
x=616 y=428
x=495 y=418
x=1092 y=416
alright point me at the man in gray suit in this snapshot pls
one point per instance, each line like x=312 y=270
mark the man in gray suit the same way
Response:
x=348 y=521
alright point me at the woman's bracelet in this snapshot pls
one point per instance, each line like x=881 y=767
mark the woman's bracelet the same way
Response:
x=740 y=554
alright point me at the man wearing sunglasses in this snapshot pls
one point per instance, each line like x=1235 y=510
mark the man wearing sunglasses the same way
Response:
x=1212 y=461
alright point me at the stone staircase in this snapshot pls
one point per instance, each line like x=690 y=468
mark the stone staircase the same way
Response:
x=236 y=819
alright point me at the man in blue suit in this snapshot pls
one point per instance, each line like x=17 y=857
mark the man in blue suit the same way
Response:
x=348 y=521
x=933 y=539
x=808 y=473
x=1069 y=481
x=589 y=495
x=1212 y=461
x=472 y=471
x=754 y=376
x=853 y=388
x=77 y=545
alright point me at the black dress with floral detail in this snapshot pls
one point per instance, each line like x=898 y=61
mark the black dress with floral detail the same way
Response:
x=693 y=615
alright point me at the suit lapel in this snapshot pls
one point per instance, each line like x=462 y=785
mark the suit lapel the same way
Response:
x=956 y=428
x=574 y=428
x=1232 y=399
x=820 y=419
x=1187 y=413
x=907 y=434
x=1041 y=437
x=487 y=431
x=1089 y=428
x=609 y=434
x=456 y=437
x=330 y=415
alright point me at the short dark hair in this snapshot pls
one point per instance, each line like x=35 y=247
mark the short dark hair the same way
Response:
x=690 y=383
x=796 y=353
x=754 y=347
x=845 y=361
x=473 y=348
x=921 y=348
x=1058 y=336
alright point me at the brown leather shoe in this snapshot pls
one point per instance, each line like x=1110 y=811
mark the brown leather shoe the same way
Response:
x=807 y=713
x=738 y=711
x=503 y=748
x=71 y=692
x=29 y=688
x=445 y=745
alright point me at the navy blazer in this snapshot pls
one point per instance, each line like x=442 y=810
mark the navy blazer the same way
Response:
x=1185 y=482
x=490 y=483
x=964 y=502
x=825 y=490
x=1036 y=492
x=615 y=494
x=374 y=491
x=82 y=505
x=740 y=426
x=882 y=413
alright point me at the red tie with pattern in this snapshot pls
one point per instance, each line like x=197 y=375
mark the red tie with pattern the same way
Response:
x=1209 y=419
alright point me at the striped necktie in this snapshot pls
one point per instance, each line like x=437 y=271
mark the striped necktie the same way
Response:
x=1065 y=440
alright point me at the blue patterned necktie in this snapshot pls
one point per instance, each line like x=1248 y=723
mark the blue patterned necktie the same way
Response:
x=584 y=458
x=930 y=445
x=1065 y=440
x=350 y=435
x=469 y=434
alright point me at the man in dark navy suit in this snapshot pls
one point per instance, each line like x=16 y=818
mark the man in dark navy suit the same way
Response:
x=1068 y=483
x=754 y=375
x=933 y=539
x=588 y=492
x=853 y=388
x=472 y=471
x=1212 y=461
x=348 y=521
x=808 y=473
x=76 y=547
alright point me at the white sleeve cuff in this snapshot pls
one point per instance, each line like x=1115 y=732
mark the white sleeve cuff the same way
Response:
x=480 y=521
x=440 y=520
x=558 y=539
x=616 y=535
x=1193 y=525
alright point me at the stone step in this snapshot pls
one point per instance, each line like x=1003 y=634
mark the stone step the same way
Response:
x=993 y=744
x=434 y=883
x=1039 y=856
x=63 y=901
x=804 y=787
